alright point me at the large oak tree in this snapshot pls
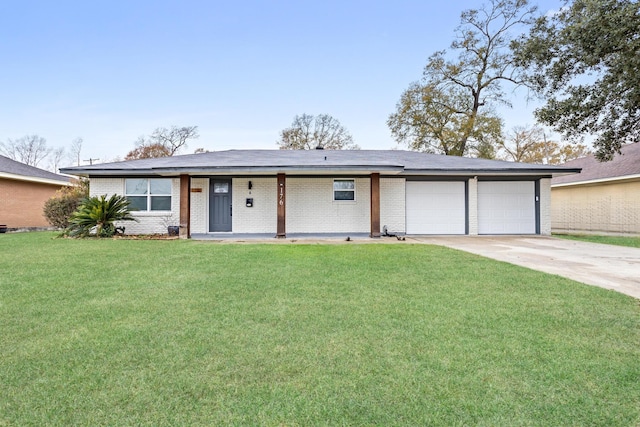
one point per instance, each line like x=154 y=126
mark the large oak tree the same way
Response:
x=451 y=109
x=584 y=61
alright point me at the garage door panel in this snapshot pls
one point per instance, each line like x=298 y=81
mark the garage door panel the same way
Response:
x=506 y=207
x=436 y=207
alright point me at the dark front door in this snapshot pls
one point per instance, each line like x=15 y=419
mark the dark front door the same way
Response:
x=220 y=205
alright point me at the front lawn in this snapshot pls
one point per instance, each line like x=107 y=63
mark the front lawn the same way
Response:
x=633 y=242
x=122 y=332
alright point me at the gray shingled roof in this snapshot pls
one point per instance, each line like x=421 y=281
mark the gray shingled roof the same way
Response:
x=301 y=161
x=625 y=164
x=13 y=167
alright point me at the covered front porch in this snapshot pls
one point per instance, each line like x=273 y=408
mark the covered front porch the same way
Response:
x=257 y=205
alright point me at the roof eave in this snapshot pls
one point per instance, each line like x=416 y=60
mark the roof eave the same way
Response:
x=492 y=172
x=38 y=180
x=612 y=179
x=244 y=170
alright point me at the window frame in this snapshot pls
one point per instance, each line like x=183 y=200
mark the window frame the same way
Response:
x=148 y=195
x=352 y=190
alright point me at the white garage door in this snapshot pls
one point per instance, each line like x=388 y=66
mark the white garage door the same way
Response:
x=435 y=207
x=506 y=207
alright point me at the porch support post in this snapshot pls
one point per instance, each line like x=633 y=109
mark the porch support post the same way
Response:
x=185 y=207
x=375 y=205
x=282 y=206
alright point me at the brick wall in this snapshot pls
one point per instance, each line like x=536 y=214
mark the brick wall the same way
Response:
x=545 y=206
x=597 y=209
x=21 y=203
x=199 y=207
x=392 y=204
x=473 y=206
x=311 y=208
x=263 y=216
x=155 y=222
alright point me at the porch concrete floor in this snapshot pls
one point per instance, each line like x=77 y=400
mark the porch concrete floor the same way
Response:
x=290 y=237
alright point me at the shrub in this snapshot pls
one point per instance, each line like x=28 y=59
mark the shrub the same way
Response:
x=59 y=208
x=97 y=215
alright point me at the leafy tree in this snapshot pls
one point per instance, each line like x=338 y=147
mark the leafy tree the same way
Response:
x=584 y=61
x=450 y=110
x=530 y=145
x=308 y=132
x=429 y=120
x=162 y=142
x=30 y=149
x=59 y=208
x=98 y=215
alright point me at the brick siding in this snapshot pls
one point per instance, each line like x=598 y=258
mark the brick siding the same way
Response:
x=392 y=204
x=311 y=208
x=21 y=203
x=597 y=209
x=263 y=216
x=148 y=222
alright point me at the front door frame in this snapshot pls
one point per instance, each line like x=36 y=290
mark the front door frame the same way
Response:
x=212 y=182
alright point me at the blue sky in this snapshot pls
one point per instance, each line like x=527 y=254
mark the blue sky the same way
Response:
x=111 y=71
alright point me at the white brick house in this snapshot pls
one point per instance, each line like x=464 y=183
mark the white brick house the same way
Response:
x=276 y=192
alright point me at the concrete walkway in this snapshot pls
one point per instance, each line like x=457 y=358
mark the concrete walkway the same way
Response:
x=606 y=266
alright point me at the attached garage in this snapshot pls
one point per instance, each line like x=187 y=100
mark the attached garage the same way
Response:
x=436 y=207
x=507 y=207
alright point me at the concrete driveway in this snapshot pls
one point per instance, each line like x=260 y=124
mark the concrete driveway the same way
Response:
x=607 y=266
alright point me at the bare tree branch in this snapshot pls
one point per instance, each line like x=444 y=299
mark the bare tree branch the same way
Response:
x=30 y=149
x=308 y=132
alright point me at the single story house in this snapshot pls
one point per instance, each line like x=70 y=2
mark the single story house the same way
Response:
x=603 y=199
x=23 y=191
x=283 y=192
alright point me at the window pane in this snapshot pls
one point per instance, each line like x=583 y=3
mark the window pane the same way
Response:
x=160 y=203
x=136 y=186
x=344 y=195
x=220 y=187
x=160 y=186
x=344 y=185
x=138 y=203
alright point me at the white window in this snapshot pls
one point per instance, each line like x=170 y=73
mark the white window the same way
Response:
x=344 y=189
x=148 y=194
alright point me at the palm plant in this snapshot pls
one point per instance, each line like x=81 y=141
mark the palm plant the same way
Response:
x=98 y=214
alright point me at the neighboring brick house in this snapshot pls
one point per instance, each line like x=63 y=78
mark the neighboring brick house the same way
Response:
x=23 y=191
x=603 y=199
x=288 y=192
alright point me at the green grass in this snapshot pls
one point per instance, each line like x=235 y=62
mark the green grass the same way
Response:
x=120 y=332
x=633 y=242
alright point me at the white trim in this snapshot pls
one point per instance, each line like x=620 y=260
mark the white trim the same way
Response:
x=598 y=181
x=148 y=195
x=333 y=191
x=34 y=179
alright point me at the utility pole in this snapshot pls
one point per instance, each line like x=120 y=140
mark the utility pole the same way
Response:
x=90 y=161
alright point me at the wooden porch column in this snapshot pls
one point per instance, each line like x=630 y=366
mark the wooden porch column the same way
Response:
x=375 y=205
x=282 y=206
x=185 y=207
